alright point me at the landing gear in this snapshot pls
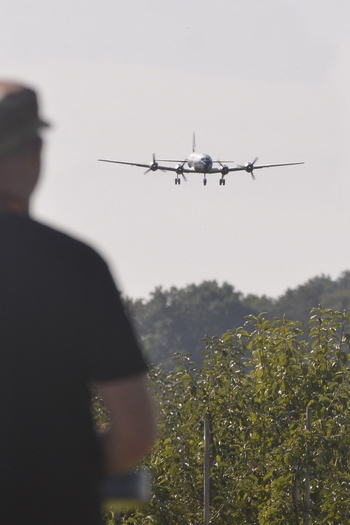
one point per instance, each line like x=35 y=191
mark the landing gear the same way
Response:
x=177 y=180
x=222 y=181
x=205 y=181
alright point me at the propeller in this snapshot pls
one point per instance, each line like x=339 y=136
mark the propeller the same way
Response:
x=224 y=169
x=249 y=167
x=180 y=170
x=153 y=166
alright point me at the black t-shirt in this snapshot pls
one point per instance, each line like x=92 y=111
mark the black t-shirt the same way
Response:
x=62 y=326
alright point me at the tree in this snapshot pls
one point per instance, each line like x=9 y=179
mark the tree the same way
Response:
x=175 y=320
x=256 y=409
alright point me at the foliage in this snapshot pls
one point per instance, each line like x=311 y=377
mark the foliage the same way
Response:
x=175 y=320
x=256 y=409
x=297 y=303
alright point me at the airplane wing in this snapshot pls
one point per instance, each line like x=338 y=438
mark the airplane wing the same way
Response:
x=152 y=166
x=273 y=165
x=249 y=167
x=127 y=163
x=172 y=160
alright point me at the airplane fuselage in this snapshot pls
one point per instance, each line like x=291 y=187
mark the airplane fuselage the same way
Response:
x=200 y=162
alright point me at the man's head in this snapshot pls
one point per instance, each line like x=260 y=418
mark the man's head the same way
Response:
x=20 y=144
x=20 y=123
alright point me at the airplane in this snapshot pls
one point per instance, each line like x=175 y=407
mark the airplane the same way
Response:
x=200 y=163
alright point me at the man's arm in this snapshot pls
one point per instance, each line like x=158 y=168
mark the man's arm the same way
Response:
x=132 y=430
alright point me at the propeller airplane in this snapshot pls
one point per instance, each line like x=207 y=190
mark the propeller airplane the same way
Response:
x=200 y=163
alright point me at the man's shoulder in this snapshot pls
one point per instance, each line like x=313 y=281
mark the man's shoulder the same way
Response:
x=55 y=235
x=42 y=236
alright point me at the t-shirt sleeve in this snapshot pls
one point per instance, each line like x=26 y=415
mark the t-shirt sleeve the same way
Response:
x=112 y=349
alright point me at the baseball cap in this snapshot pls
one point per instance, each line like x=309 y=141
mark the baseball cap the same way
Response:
x=19 y=119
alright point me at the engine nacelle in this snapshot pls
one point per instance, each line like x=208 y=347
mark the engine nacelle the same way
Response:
x=153 y=166
x=249 y=166
x=179 y=169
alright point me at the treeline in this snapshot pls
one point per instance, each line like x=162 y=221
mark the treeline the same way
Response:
x=176 y=320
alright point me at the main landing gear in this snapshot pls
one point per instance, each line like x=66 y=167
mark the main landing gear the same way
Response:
x=177 y=180
x=205 y=181
x=222 y=181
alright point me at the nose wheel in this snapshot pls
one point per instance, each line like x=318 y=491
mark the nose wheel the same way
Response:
x=205 y=181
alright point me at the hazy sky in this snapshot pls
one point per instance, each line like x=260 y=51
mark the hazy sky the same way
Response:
x=125 y=79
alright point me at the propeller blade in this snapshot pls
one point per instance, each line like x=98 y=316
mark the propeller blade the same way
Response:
x=252 y=167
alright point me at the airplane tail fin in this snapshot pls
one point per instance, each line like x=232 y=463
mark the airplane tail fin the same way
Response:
x=193 y=143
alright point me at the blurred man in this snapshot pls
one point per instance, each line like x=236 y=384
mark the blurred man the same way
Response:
x=62 y=327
